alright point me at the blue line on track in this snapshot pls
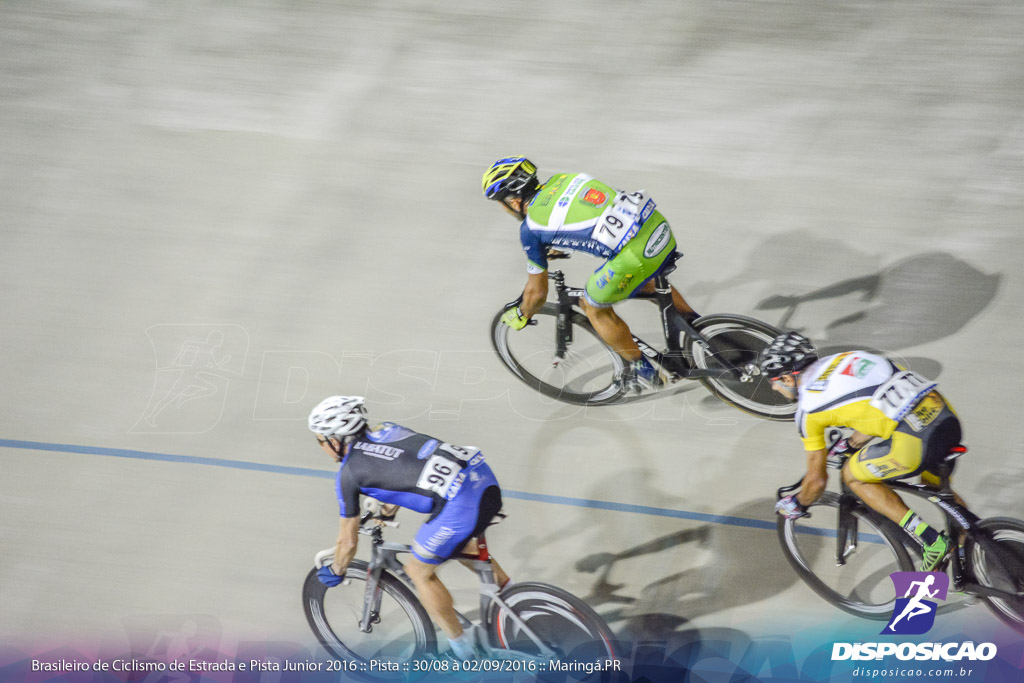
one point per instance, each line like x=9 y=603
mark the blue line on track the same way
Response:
x=322 y=474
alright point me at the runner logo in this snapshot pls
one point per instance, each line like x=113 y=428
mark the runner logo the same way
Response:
x=914 y=613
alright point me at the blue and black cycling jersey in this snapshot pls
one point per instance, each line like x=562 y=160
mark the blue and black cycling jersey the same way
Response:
x=399 y=466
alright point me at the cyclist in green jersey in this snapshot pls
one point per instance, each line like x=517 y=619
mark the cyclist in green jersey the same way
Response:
x=576 y=212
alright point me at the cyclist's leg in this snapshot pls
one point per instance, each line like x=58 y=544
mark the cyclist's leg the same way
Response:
x=940 y=434
x=500 y=576
x=870 y=489
x=441 y=537
x=902 y=456
x=434 y=595
x=647 y=286
x=678 y=302
x=487 y=510
x=612 y=329
x=619 y=277
x=939 y=440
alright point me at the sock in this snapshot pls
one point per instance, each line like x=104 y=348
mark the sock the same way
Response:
x=915 y=526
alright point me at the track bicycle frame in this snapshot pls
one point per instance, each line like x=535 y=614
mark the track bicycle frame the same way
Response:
x=674 y=326
x=384 y=557
x=956 y=516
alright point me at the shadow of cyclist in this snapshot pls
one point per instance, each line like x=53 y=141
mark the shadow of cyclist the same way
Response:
x=914 y=301
x=738 y=565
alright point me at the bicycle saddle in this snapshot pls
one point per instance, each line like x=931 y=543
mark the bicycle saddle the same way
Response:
x=955 y=452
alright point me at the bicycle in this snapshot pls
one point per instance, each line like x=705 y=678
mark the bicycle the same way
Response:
x=988 y=561
x=560 y=354
x=383 y=621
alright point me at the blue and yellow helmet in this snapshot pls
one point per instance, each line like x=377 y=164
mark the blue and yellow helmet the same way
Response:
x=510 y=177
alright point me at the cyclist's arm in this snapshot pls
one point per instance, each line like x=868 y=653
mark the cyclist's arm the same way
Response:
x=535 y=293
x=816 y=478
x=348 y=540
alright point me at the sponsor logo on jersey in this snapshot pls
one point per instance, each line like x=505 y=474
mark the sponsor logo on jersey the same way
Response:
x=549 y=191
x=822 y=381
x=605 y=279
x=595 y=197
x=456 y=485
x=624 y=283
x=858 y=367
x=925 y=412
x=571 y=191
x=882 y=470
x=379 y=450
x=646 y=212
x=443 y=534
x=657 y=241
x=426 y=449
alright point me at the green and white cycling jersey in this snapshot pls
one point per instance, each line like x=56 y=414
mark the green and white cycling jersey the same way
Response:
x=577 y=212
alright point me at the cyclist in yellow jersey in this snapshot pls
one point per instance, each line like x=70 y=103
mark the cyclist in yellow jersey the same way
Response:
x=914 y=425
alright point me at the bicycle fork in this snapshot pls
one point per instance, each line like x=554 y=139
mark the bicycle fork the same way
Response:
x=371 y=600
x=846 y=531
x=373 y=594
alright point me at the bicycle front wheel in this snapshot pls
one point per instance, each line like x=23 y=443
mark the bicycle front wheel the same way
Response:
x=401 y=631
x=538 y=620
x=1000 y=566
x=734 y=344
x=872 y=550
x=586 y=374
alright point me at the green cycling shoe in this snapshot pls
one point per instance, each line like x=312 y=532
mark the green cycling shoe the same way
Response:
x=934 y=554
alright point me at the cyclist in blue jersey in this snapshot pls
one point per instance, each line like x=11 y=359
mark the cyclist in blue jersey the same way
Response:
x=402 y=468
x=576 y=212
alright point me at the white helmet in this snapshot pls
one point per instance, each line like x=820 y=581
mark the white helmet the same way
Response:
x=338 y=416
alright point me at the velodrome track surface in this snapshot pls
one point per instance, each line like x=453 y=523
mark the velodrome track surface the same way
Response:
x=213 y=216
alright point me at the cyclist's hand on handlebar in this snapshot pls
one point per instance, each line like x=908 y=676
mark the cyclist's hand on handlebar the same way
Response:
x=841 y=447
x=327 y=577
x=791 y=508
x=513 y=317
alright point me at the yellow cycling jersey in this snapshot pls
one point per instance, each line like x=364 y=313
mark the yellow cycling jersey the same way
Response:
x=859 y=390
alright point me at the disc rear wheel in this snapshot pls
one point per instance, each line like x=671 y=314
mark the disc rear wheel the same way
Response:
x=1000 y=566
x=557 y=624
x=734 y=344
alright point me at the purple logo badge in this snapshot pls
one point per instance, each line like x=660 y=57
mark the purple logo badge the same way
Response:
x=916 y=592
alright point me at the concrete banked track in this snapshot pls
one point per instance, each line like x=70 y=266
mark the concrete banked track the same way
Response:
x=214 y=216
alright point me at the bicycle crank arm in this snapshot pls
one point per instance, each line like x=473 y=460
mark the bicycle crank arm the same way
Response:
x=697 y=373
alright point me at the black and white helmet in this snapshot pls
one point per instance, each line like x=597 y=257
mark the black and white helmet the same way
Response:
x=788 y=354
x=338 y=416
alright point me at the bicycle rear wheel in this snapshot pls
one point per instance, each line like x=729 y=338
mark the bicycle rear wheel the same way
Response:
x=558 y=619
x=587 y=375
x=402 y=632
x=873 y=550
x=1000 y=567
x=736 y=342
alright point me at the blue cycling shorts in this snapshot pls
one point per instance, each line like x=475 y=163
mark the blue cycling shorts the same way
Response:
x=462 y=518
